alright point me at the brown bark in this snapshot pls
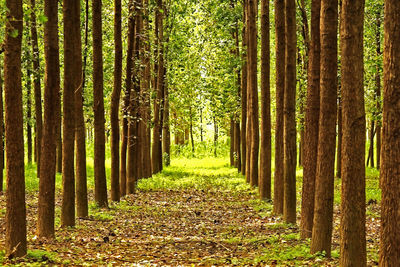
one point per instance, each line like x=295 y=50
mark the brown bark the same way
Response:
x=28 y=112
x=80 y=137
x=46 y=206
x=232 y=144
x=323 y=209
x=59 y=143
x=370 y=159
x=72 y=81
x=114 y=118
x=253 y=89
x=15 y=221
x=352 y=210
x=157 y=130
x=289 y=135
x=1 y=130
x=244 y=88
x=265 y=153
x=36 y=84
x=390 y=180
x=166 y=128
x=128 y=87
x=311 y=125
x=280 y=92
x=100 y=188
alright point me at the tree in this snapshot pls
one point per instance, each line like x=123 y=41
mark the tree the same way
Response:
x=15 y=222
x=244 y=87
x=280 y=92
x=323 y=205
x=72 y=81
x=390 y=181
x=98 y=108
x=265 y=153
x=289 y=207
x=114 y=118
x=46 y=206
x=311 y=125
x=36 y=84
x=80 y=135
x=1 y=130
x=378 y=89
x=352 y=211
x=253 y=112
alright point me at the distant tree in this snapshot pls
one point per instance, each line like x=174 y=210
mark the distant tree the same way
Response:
x=352 y=220
x=390 y=181
x=46 y=206
x=98 y=108
x=324 y=181
x=280 y=93
x=15 y=222
x=311 y=124
x=265 y=156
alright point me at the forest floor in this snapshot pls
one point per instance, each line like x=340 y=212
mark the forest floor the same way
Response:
x=196 y=212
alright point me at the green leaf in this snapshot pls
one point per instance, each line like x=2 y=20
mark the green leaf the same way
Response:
x=42 y=18
x=14 y=33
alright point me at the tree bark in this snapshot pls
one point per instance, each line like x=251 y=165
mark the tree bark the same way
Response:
x=100 y=188
x=29 y=111
x=280 y=92
x=340 y=138
x=390 y=176
x=36 y=85
x=265 y=153
x=46 y=206
x=324 y=182
x=311 y=125
x=72 y=81
x=232 y=144
x=244 y=88
x=352 y=220
x=1 y=129
x=80 y=136
x=114 y=118
x=370 y=160
x=378 y=90
x=15 y=221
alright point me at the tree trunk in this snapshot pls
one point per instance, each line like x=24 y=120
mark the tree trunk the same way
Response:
x=15 y=221
x=244 y=87
x=311 y=125
x=100 y=188
x=1 y=130
x=290 y=149
x=323 y=210
x=80 y=137
x=253 y=89
x=265 y=154
x=390 y=179
x=280 y=92
x=191 y=131
x=72 y=82
x=29 y=111
x=59 y=143
x=114 y=118
x=36 y=85
x=378 y=90
x=370 y=160
x=52 y=103
x=352 y=210
x=232 y=144
x=215 y=136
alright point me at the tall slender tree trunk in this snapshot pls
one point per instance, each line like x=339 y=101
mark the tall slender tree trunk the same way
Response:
x=311 y=125
x=15 y=222
x=370 y=160
x=280 y=92
x=114 y=118
x=352 y=220
x=253 y=88
x=166 y=128
x=36 y=85
x=72 y=82
x=46 y=206
x=378 y=90
x=324 y=181
x=265 y=156
x=244 y=88
x=1 y=129
x=390 y=179
x=100 y=189
x=232 y=142
x=80 y=136
x=59 y=143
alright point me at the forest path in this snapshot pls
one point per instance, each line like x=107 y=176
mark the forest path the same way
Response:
x=197 y=212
